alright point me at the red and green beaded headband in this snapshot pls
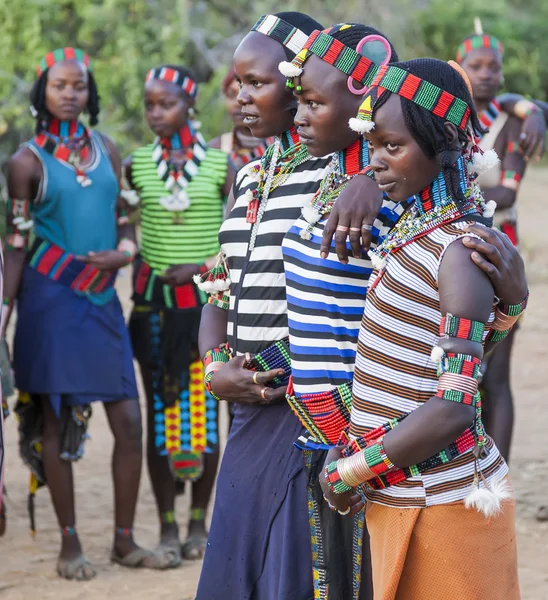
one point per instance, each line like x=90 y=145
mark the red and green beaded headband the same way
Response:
x=283 y=32
x=60 y=55
x=334 y=52
x=187 y=84
x=478 y=41
x=421 y=92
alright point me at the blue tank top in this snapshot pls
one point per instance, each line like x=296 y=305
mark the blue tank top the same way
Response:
x=78 y=219
x=75 y=218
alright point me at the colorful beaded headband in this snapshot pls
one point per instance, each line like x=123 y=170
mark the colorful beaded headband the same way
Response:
x=187 y=84
x=478 y=41
x=60 y=55
x=333 y=52
x=281 y=31
x=421 y=92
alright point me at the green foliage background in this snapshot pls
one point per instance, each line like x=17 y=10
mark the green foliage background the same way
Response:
x=127 y=37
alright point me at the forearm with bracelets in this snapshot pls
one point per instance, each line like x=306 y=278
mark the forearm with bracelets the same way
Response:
x=214 y=360
x=506 y=316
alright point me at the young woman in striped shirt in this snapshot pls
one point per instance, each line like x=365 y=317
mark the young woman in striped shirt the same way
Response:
x=182 y=185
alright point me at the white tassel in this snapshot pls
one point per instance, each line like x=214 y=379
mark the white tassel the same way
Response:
x=131 y=197
x=289 y=70
x=490 y=208
x=197 y=280
x=253 y=173
x=305 y=234
x=221 y=285
x=488 y=501
x=22 y=223
x=478 y=28
x=248 y=196
x=205 y=286
x=361 y=126
x=437 y=354
x=377 y=261
x=311 y=214
x=481 y=163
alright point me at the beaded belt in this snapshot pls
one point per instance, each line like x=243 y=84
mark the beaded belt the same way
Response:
x=56 y=264
x=324 y=414
x=275 y=356
x=462 y=444
x=149 y=288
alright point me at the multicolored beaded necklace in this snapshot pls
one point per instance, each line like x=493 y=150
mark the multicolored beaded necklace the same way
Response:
x=344 y=166
x=279 y=161
x=432 y=208
x=242 y=155
x=69 y=143
x=177 y=159
x=488 y=116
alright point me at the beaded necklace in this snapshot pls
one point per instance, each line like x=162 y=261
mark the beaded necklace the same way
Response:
x=488 y=116
x=432 y=208
x=279 y=161
x=69 y=143
x=241 y=155
x=177 y=159
x=344 y=166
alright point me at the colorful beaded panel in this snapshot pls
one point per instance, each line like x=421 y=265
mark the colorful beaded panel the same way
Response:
x=511 y=179
x=460 y=328
x=463 y=387
x=275 y=356
x=281 y=31
x=478 y=41
x=324 y=414
x=488 y=116
x=334 y=52
x=220 y=300
x=187 y=84
x=150 y=289
x=60 y=55
x=333 y=479
x=417 y=90
x=56 y=264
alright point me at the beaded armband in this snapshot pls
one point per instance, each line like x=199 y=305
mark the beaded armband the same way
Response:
x=213 y=360
x=128 y=247
x=220 y=300
x=513 y=148
x=463 y=329
x=333 y=479
x=525 y=108
x=506 y=316
x=275 y=356
x=458 y=378
x=511 y=180
x=19 y=223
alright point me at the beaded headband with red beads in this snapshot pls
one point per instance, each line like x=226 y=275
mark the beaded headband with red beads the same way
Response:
x=187 y=84
x=421 y=92
x=334 y=52
x=478 y=41
x=60 y=55
x=283 y=32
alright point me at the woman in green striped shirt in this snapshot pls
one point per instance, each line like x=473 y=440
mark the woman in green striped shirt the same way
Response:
x=181 y=185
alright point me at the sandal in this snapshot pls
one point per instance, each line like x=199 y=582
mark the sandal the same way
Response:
x=144 y=559
x=172 y=550
x=78 y=569
x=194 y=547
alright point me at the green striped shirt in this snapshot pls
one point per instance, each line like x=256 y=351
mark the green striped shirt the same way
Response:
x=165 y=243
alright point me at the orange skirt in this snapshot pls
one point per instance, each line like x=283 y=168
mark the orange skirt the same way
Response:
x=445 y=552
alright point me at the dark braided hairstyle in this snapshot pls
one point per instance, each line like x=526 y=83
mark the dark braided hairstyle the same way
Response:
x=38 y=100
x=427 y=128
x=352 y=36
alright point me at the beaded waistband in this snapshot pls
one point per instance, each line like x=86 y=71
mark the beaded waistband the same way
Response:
x=56 y=264
x=149 y=288
x=324 y=414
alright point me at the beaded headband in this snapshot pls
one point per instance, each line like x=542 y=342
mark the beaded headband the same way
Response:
x=281 y=31
x=333 y=52
x=187 y=84
x=60 y=55
x=421 y=92
x=478 y=41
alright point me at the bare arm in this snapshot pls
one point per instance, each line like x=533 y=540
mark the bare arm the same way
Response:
x=213 y=324
x=465 y=291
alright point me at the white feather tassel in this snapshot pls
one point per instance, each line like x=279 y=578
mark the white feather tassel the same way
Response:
x=488 y=501
x=377 y=261
x=311 y=215
x=481 y=163
x=361 y=126
x=131 y=197
x=305 y=234
x=289 y=70
x=478 y=28
x=490 y=208
x=437 y=354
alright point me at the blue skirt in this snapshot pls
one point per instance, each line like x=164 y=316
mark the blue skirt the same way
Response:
x=259 y=541
x=68 y=348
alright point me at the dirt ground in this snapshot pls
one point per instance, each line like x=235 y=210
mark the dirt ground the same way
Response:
x=27 y=565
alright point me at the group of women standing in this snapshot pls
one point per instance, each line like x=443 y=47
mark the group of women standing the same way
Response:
x=353 y=379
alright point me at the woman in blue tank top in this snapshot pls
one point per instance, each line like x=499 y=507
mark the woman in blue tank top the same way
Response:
x=71 y=344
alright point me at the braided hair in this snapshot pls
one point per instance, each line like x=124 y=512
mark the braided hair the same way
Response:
x=427 y=128
x=301 y=21
x=354 y=34
x=38 y=100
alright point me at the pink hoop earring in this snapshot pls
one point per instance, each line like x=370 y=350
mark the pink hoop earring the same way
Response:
x=388 y=55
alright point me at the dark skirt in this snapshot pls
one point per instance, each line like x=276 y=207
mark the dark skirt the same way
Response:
x=259 y=541
x=68 y=348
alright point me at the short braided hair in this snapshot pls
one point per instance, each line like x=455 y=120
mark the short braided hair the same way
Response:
x=352 y=36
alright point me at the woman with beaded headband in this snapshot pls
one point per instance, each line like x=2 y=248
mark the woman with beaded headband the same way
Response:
x=326 y=298
x=435 y=483
x=182 y=185
x=247 y=316
x=71 y=343
x=480 y=55
x=238 y=143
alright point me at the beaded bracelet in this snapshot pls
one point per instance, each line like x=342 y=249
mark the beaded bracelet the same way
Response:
x=458 y=378
x=506 y=316
x=128 y=247
x=511 y=180
x=525 y=108
x=333 y=479
x=461 y=328
x=220 y=300
x=514 y=310
x=213 y=360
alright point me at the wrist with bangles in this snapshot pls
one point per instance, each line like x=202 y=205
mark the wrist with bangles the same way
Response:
x=526 y=108
x=506 y=316
x=128 y=247
x=214 y=360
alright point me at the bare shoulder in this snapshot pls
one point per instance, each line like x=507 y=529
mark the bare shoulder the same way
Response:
x=23 y=160
x=215 y=143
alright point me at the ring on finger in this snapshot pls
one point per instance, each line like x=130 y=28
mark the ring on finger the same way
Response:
x=367 y=227
x=255 y=375
x=342 y=228
x=358 y=229
x=247 y=358
x=344 y=512
x=263 y=392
